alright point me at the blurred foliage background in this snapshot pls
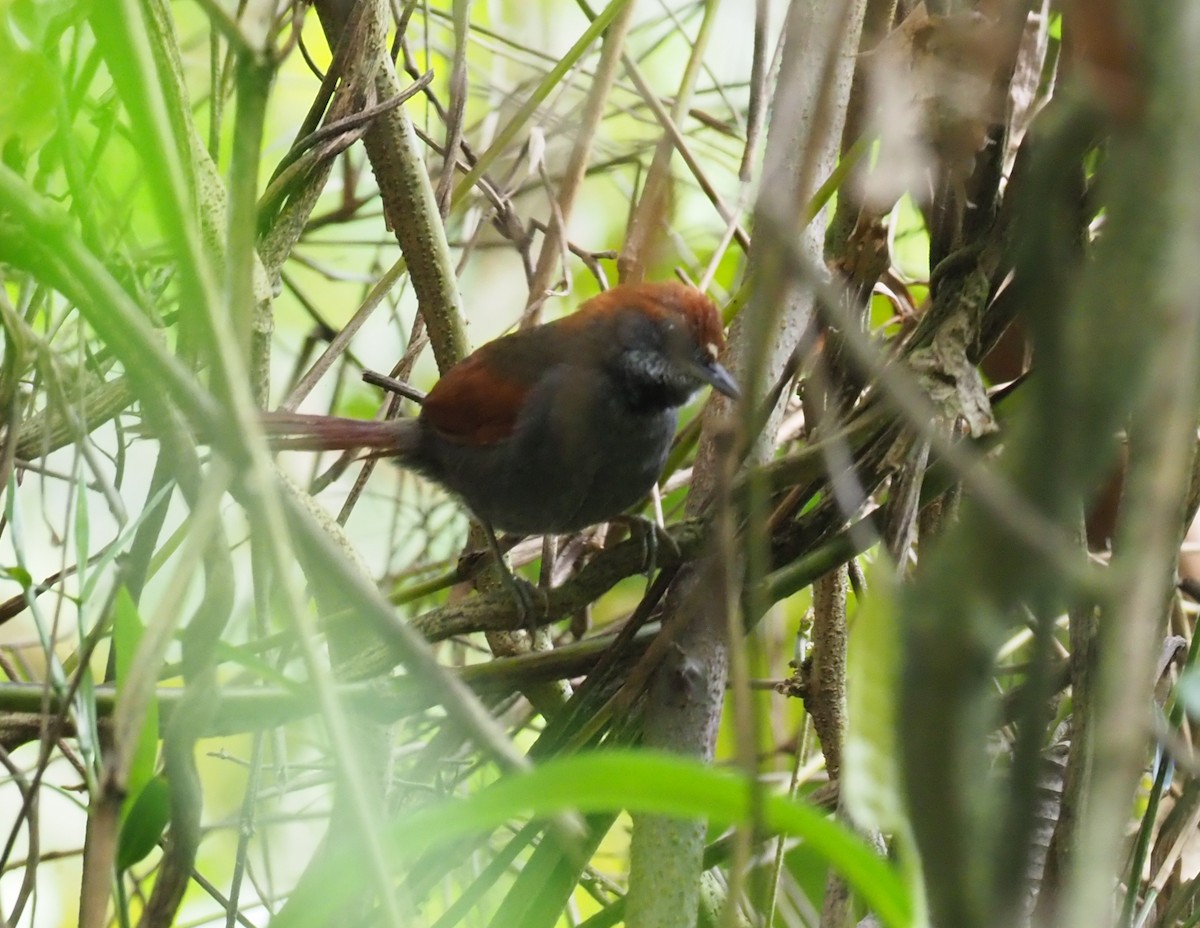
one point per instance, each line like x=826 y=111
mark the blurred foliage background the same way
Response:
x=919 y=650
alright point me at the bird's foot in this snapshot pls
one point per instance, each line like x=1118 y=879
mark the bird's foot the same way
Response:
x=531 y=601
x=654 y=538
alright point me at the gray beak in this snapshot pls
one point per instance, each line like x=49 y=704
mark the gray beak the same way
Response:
x=721 y=380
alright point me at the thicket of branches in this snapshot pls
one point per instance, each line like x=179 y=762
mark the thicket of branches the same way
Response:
x=917 y=652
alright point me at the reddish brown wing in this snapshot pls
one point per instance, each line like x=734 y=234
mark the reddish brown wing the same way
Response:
x=478 y=401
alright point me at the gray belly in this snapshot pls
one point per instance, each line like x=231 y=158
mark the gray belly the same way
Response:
x=559 y=473
x=623 y=470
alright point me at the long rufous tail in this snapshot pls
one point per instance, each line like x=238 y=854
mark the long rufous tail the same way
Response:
x=305 y=432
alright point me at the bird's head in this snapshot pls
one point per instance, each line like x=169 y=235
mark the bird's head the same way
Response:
x=666 y=339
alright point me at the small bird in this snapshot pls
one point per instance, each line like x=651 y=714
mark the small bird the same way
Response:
x=555 y=428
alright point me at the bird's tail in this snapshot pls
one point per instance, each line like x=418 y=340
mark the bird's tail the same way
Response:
x=304 y=432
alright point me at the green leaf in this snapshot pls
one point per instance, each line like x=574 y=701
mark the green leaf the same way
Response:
x=145 y=823
x=27 y=69
x=871 y=788
x=18 y=574
x=640 y=781
x=82 y=538
x=1187 y=691
x=121 y=543
x=127 y=633
x=239 y=657
x=870 y=783
x=547 y=878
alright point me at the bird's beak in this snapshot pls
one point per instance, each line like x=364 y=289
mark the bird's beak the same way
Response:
x=721 y=380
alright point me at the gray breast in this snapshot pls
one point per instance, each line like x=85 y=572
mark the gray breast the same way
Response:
x=576 y=458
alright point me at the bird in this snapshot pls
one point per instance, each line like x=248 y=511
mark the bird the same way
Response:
x=551 y=429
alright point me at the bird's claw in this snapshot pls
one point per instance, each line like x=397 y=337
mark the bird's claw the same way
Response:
x=652 y=536
x=531 y=601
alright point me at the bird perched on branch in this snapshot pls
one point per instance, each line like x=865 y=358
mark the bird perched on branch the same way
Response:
x=554 y=428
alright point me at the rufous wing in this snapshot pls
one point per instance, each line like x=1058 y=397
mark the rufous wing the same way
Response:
x=478 y=401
